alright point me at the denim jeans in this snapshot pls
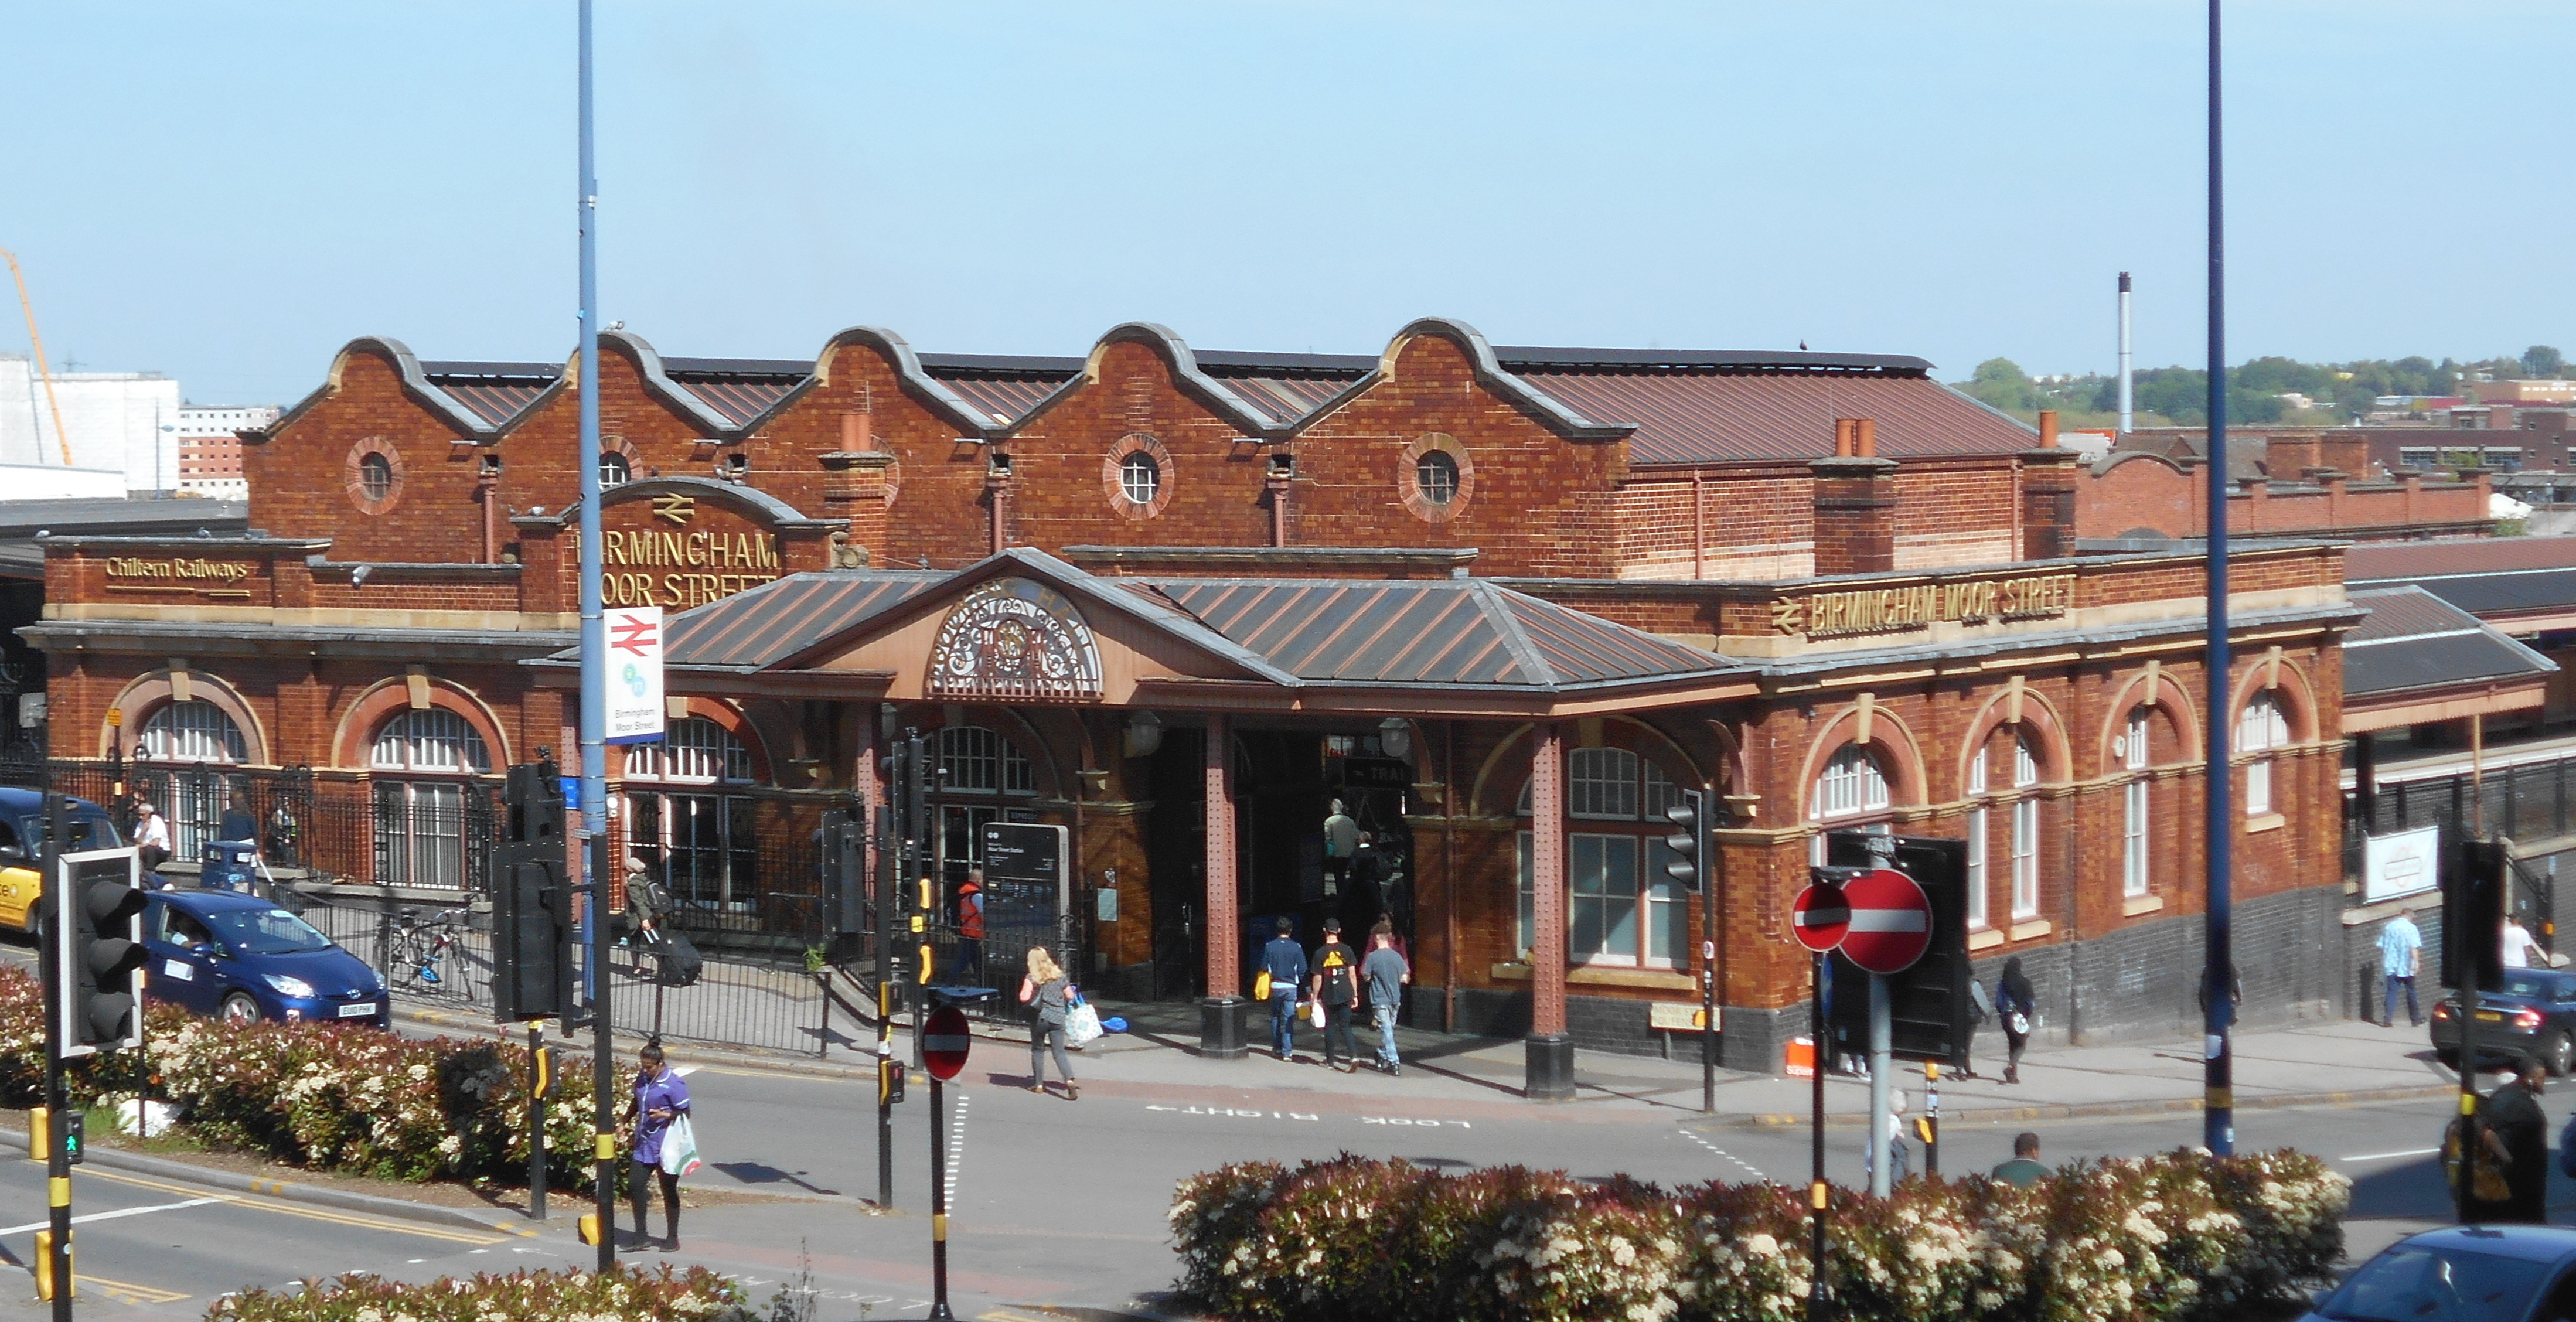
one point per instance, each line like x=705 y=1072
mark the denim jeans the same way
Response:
x=1283 y=1020
x=2388 y=998
x=1385 y=1016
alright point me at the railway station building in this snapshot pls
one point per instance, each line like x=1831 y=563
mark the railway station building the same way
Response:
x=1501 y=604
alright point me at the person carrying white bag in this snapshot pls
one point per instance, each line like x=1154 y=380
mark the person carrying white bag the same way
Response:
x=1050 y=1001
x=666 y=1144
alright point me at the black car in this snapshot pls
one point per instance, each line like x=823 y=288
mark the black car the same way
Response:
x=2462 y=1274
x=2533 y=1013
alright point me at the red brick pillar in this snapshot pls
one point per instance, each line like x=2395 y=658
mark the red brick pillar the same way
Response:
x=1549 y=1070
x=1223 y=1016
x=1855 y=515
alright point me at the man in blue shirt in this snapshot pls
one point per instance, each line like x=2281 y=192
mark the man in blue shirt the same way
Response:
x=2401 y=953
x=1285 y=961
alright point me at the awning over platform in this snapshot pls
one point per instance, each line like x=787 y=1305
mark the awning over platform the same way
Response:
x=2417 y=658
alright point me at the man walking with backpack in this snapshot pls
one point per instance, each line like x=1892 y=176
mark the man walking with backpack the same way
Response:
x=1337 y=990
x=1385 y=972
x=1283 y=965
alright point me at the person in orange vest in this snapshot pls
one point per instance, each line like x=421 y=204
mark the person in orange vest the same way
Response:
x=970 y=926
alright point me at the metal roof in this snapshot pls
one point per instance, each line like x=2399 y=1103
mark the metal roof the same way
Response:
x=2413 y=639
x=493 y=392
x=1720 y=417
x=2486 y=595
x=2414 y=561
x=774 y=621
x=740 y=389
x=1435 y=631
x=1520 y=358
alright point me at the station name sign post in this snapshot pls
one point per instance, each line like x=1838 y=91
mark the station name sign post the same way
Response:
x=636 y=704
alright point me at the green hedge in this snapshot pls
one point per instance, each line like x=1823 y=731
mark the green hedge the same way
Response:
x=2183 y=1235
x=326 y=1096
x=620 y=1295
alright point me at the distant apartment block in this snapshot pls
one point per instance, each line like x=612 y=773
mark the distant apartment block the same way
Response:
x=210 y=454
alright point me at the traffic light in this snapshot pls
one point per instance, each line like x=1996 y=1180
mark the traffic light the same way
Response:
x=97 y=947
x=531 y=904
x=1689 y=865
x=2473 y=905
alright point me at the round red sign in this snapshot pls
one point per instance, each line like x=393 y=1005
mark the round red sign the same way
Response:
x=944 y=1043
x=1820 y=916
x=1891 y=922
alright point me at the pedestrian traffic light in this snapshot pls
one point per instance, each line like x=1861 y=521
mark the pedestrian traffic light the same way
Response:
x=96 y=931
x=1689 y=864
x=75 y=1137
x=531 y=904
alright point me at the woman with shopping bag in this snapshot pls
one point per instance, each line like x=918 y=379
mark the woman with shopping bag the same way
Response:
x=1050 y=1001
x=665 y=1147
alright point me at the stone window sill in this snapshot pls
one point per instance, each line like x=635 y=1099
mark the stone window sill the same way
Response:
x=2138 y=904
x=1985 y=938
x=2036 y=927
x=2270 y=821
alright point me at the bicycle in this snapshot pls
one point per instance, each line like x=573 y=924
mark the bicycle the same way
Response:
x=427 y=956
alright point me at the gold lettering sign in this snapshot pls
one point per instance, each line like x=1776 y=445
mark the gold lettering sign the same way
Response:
x=1922 y=605
x=205 y=578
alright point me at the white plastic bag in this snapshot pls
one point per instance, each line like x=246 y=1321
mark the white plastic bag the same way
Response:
x=1315 y=1014
x=680 y=1146
x=1081 y=1025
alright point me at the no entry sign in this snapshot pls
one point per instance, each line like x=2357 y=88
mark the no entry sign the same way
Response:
x=1820 y=916
x=1891 y=922
x=944 y=1042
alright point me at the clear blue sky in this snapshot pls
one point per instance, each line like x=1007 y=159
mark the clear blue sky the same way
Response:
x=227 y=193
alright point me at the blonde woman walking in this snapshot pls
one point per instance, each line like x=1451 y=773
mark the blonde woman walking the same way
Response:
x=1048 y=995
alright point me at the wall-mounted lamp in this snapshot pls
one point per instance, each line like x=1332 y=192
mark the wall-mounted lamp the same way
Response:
x=1144 y=734
x=1395 y=735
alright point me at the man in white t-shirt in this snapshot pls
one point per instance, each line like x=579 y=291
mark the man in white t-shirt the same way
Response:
x=2520 y=949
x=151 y=837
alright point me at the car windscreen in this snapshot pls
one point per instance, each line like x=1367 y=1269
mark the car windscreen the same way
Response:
x=2421 y=1284
x=270 y=931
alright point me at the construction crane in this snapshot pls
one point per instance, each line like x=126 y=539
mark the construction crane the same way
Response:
x=61 y=437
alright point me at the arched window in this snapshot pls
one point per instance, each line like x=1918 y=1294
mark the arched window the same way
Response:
x=375 y=476
x=1435 y=474
x=177 y=754
x=614 y=470
x=683 y=827
x=2260 y=728
x=980 y=772
x=1624 y=909
x=1850 y=789
x=1140 y=477
x=433 y=818
x=2009 y=742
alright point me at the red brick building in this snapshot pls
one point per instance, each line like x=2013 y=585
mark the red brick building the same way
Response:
x=1503 y=602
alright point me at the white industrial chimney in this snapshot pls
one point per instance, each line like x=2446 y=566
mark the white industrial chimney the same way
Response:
x=2128 y=419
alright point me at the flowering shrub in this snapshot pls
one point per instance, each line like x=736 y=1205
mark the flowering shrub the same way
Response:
x=322 y=1095
x=2183 y=1235
x=528 y=1296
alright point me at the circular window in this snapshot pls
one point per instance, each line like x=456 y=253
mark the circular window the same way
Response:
x=1436 y=478
x=374 y=475
x=1137 y=476
x=1140 y=479
x=615 y=470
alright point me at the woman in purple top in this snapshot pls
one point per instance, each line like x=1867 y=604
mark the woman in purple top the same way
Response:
x=660 y=1097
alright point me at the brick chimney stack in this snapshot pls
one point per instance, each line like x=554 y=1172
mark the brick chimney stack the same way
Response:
x=2048 y=495
x=1855 y=503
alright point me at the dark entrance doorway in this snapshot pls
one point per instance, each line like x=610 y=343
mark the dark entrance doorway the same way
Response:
x=1286 y=783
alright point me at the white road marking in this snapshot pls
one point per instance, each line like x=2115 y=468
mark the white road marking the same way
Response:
x=956 y=1144
x=2391 y=1156
x=1748 y=1166
x=1401 y=1120
x=1236 y=1113
x=684 y=1071
x=109 y=1216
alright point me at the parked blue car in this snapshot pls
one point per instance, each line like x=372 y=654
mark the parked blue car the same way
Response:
x=243 y=959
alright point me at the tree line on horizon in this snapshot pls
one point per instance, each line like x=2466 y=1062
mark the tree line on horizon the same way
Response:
x=2179 y=396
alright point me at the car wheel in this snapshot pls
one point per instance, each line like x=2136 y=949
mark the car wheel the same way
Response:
x=2558 y=1054
x=240 y=1008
